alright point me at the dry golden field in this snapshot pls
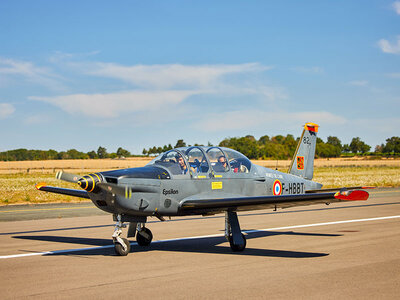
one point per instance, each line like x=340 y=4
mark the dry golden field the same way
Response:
x=18 y=179
x=70 y=165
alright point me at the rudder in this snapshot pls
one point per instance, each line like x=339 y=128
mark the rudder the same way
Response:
x=302 y=164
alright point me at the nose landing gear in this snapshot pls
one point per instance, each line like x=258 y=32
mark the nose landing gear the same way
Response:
x=121 y=245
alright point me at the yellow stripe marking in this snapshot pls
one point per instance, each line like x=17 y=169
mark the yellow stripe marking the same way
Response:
x=128 y=192
x=92 y=184
x=87 y=184
x=97 y=176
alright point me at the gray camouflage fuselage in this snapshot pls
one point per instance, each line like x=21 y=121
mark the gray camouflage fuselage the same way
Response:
x=167 y=194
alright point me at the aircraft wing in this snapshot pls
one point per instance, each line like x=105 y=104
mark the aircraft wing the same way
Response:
x=261 y=202
x=339 y=189
x=57 y=190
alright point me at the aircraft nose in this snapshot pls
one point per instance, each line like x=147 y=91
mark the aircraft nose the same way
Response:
x=88 y=182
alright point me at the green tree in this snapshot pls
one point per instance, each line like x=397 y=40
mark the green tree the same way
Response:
x=112 y=155
x=246 y=145
x=364 y=148
x=75 y=154
x=102 y=152
x=392 y=145
x=337 y=144
x=152 y=150
x=52 y=154
x=278 y=139
x=357 y=145
x=123 y=153
x=263 y=140
x=180 y=143
x=290 y=143
x=346 y=148
x=334 y=141
x=92 y=154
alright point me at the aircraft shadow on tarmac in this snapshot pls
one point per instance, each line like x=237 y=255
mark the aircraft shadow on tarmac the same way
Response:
x=195 y=245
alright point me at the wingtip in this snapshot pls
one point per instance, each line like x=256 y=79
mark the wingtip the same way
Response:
x=40 y=185
x=355 y=195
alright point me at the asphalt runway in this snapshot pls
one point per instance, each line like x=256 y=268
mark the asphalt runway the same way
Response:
x=346 y=250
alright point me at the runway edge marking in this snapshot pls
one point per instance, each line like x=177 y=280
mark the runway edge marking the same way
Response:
x=198 y=237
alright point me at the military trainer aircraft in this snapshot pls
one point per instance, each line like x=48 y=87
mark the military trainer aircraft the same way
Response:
x=202 y=181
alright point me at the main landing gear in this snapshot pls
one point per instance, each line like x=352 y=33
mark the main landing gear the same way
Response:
x=121 y=245
x=233 y=234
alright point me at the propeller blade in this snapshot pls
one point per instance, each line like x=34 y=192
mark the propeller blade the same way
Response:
x=67 y=176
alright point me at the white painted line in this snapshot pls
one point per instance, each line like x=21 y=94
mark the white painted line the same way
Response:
x=199 y=237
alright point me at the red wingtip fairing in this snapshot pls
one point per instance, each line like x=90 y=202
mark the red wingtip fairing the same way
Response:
x=356 y=195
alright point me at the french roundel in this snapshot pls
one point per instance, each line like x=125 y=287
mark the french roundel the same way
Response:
x=277 y=188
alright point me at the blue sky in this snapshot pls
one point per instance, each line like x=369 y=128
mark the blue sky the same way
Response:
x=79 y=74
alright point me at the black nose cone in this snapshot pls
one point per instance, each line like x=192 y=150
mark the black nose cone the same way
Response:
x=88 y=182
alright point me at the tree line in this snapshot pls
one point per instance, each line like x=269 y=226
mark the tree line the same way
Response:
x=283 y=147
x=275 y=147
x=25 y=154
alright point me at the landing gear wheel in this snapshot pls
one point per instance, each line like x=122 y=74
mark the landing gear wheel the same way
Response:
x=144 y=237
x=120 y=250
x=237 y=248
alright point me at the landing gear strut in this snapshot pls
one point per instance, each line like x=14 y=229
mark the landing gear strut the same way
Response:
x=122 y=245
x=233 y=234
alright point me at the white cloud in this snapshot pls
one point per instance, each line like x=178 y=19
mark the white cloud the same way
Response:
x=154 y=86
x=387 y=47
x=114 y=104
x=251 y=119
x=60 y=56
x=29 y=72
x=315 y=70
x=359 y=82
x=38 y=119
x=396 y=6
x=6 y=110
x=394 y=75
x=169 y=75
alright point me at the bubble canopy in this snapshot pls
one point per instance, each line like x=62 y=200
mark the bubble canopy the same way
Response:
x=202 y=160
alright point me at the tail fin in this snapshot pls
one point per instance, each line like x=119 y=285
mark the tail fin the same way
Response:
x=303 y=160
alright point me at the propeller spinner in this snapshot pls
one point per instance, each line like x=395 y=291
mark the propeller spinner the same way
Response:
x=89 y=182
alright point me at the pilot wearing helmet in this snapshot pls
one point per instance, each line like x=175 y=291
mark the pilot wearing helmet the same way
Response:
x=222 y=163
x=182 y=165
